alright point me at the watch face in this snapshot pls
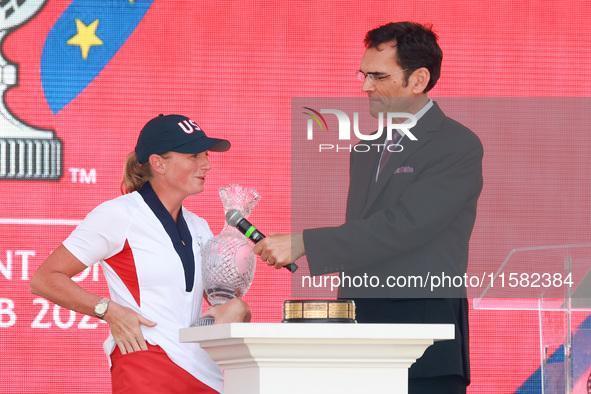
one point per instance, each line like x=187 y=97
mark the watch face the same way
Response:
x=100 y=309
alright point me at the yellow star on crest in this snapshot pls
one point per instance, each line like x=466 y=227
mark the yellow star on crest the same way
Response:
x=86 y=37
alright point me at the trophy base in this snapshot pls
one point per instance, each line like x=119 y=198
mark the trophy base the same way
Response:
x=30 y=158
x=205 y=321
x=319 y=311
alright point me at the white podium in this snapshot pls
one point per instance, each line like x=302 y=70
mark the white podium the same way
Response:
x=310 y=358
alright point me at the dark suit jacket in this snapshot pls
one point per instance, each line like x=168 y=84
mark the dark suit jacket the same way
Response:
x=416 y=221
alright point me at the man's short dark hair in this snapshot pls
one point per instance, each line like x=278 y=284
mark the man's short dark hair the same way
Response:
x=416 y=47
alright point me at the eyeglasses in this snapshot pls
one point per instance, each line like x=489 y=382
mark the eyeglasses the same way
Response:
x=373 y=78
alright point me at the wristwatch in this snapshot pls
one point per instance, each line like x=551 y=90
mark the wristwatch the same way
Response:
x=101 y=308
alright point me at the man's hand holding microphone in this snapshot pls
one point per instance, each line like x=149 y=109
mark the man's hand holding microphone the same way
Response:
x=278 y=250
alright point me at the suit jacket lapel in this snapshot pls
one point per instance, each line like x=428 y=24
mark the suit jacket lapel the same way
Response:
x=429 y=123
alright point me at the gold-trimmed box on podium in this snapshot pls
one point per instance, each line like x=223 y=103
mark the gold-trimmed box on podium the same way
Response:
x=319 y=311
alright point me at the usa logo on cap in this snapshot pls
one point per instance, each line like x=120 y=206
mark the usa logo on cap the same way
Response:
x=189 y=126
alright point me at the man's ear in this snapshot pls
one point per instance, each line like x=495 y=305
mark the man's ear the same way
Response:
x=419 y=80
x=157 y=163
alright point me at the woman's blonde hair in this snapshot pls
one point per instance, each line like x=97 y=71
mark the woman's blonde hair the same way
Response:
x=134 y=174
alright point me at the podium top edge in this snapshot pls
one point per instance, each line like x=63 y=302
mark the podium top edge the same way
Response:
x=319 y=331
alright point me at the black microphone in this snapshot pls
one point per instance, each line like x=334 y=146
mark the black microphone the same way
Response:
x=235 y=219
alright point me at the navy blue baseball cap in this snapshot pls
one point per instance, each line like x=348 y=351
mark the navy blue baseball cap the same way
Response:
x=175 y=133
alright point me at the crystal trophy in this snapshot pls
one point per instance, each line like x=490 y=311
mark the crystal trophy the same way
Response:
x=227 y=260
x=26 y=152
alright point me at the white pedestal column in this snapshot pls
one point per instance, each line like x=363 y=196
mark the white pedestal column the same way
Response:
x=305 y=358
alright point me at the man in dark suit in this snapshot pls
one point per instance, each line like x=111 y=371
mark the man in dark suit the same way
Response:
x=409 y=212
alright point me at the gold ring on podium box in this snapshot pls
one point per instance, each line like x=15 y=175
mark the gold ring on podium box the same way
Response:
x=319 y=311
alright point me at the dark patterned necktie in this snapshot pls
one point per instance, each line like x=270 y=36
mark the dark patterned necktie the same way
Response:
x=396 y=137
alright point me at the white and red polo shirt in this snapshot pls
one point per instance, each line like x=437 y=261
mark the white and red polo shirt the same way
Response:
x=152 y=265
